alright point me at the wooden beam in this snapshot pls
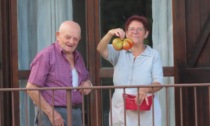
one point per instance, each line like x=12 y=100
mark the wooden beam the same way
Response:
x=199 y=45
x=9 y=65
x=93 y=59
x=104 y=72
x=23 y=74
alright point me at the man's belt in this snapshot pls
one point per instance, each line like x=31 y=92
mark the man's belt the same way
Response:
x=75 y=106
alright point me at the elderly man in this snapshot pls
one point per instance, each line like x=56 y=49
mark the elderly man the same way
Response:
x=59 y=65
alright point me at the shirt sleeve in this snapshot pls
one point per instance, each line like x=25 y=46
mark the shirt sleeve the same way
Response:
x=40 y=67
x=157 y=70
x=113 y=55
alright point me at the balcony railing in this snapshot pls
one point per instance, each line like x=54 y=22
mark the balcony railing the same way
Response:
x=95 y=90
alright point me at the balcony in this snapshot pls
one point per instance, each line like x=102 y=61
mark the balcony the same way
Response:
x=92 y=106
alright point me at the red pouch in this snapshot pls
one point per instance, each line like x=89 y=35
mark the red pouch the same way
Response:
x=130 y=103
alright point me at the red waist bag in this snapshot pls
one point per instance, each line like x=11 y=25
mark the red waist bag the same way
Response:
x=130 y=103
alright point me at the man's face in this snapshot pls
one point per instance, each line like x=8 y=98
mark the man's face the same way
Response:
x=69 y=38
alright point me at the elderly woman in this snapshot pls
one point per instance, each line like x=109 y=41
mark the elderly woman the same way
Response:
x=139 y=65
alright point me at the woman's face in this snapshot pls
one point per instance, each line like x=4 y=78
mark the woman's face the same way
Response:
x=136 y=31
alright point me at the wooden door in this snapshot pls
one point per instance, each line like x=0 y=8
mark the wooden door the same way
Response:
x=191 y=24
x=9 y=62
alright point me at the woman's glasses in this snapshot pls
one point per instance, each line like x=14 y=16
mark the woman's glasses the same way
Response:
x=131 y=29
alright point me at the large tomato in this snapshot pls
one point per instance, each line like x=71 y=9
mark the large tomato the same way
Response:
x=117 y=44
x=127 y=43
x=120 y=44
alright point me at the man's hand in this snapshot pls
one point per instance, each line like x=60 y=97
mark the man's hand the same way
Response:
x=56 y=119
x=85 y=84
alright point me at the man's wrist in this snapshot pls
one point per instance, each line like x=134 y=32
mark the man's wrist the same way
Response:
x=91 y=84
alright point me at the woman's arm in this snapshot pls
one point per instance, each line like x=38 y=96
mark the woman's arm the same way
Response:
x=102 y=45
x=151 y=89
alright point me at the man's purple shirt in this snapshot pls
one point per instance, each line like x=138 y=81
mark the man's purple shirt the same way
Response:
x=50 y=68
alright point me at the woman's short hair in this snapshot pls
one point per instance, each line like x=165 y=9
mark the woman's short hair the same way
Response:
x=141 y=19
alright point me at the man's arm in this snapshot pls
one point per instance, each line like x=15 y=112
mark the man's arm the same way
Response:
x=43 y=104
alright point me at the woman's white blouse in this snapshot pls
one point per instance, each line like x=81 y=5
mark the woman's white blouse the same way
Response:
x=128 y=70
x=145 y=69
